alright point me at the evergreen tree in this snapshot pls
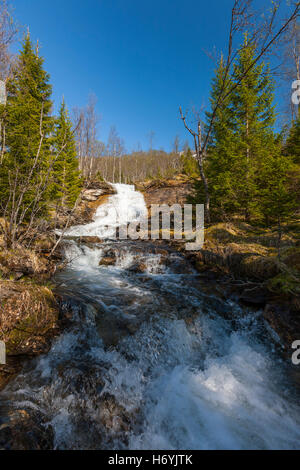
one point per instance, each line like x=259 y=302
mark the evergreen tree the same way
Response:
x=189 y=164
x=292 y=147
x=221 y=149
x=28 y=126
x=66 y=176
x=254 y=117
x=29 y=108
x=277 y=201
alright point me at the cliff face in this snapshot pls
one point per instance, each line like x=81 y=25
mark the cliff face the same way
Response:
x=173 y=191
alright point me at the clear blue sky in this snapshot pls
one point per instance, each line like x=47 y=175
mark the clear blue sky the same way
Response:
x=142 y=58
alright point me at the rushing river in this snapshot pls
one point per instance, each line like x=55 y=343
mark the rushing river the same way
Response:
x=152 y=358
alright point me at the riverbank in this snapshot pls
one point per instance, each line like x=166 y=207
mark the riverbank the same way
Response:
x=154 y=355
x=30 y=312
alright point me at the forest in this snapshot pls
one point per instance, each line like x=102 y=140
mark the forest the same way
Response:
x=248 y=165
x=135 y=343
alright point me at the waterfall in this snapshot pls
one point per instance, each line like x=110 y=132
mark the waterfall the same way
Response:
x=153 y=358
x=126 y=206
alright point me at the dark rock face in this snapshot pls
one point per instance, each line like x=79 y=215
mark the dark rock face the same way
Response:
x=20 y=430
x=257 y=296
x=102 y=186
x=284 y=318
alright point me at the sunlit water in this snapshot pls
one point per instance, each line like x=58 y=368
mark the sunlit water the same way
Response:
x=154 y=360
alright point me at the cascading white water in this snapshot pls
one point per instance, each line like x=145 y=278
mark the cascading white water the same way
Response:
x=126 y=206
x=151 y=361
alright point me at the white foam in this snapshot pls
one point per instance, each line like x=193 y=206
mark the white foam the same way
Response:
x=126 y=206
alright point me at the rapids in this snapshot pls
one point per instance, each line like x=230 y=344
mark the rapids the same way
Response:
x=153 y=358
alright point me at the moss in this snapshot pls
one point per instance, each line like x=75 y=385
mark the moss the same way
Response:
x=291 y=257
x=286 y=283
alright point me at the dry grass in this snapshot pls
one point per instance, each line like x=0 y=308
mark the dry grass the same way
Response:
x=243 y=250
x=22 y=261
x=28 y=314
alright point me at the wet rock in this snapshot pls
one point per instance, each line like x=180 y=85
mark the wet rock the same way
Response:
x=112 y=415
x=82 y=379
x=209 y=275
x=10 y=369
x=21 y=430
x=179 y=266
x=161 y=251
x=283 y=317
x=139 y=267
x=255 y=296
x=92 y=240
x=107 y=261
x=145 y=279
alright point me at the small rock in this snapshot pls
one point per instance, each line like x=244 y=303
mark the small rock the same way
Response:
x=138 y=268
x=107 y=261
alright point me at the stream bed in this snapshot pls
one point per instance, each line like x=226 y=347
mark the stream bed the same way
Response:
x=153 y=358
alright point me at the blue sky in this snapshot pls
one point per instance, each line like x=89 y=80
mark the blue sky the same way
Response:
x=141 y=58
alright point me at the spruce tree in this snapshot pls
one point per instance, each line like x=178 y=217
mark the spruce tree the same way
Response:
x=254 y=117
x=66 y=176
x=28 y=127
x=189 y=164
x=29 y=107
x=292 y=147
x=277 y=200
x=221 y=148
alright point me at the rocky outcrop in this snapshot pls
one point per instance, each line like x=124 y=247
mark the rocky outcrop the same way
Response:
x=96 y=189
x=172 y=191
x=284 y=318
x=93 y=195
